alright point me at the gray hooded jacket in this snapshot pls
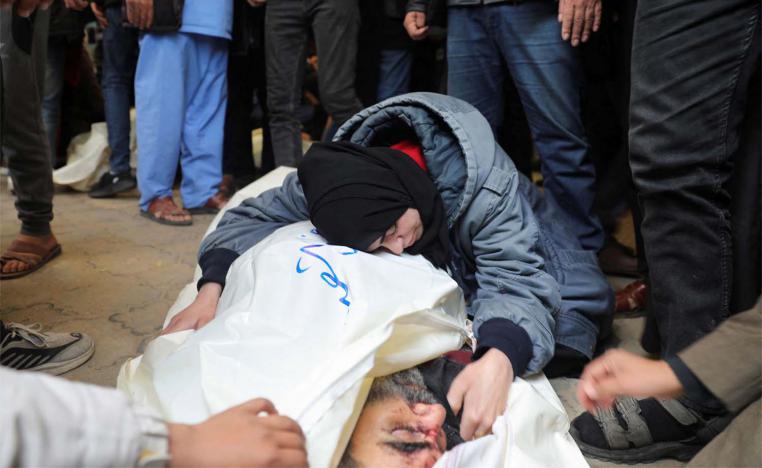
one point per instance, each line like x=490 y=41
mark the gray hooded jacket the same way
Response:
x=507 y=262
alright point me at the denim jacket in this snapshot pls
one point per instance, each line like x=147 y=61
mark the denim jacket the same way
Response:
x=500 y=251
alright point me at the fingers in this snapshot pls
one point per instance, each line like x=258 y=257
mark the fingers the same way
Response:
x=420 y=19
x=588 y=23
x=176 y=324
x=258 y=405
x=468 y=426
x=283 y=423
x=132 y=14
x=456 y=394
x=289 y=440
x=597 y=13
x=292 y=458
x=149 y=14
x=578 y=24
x=566 y=14
x=26 y=7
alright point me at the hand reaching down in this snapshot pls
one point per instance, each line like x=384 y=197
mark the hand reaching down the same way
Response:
x=579 y=18
x=240 y=436
x=200 y=312
x=619 y=372
x=481 y=391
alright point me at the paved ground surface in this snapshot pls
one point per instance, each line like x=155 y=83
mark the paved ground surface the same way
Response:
x=118 y=275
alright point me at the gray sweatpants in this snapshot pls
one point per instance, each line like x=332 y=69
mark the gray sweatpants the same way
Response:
x=335 y=24
x=23 y=142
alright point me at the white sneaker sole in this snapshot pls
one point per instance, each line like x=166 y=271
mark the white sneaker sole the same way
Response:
x=61 y=367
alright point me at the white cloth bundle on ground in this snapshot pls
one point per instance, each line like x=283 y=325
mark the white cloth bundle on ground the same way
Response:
x=308 y=325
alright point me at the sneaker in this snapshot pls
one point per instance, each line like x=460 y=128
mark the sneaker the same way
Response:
x=111 y=184
x=27 y=348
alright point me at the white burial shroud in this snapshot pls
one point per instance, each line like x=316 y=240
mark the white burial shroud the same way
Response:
x=308 y=325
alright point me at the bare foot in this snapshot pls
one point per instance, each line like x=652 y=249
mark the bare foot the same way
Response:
x=46 y=244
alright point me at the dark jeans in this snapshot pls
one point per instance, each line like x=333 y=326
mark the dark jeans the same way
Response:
x=23 y=44
x=394 y=69
x=245 y=74
x=691 y=66
x=119 y=47
x=526 y=37
x=335 y=24
x=53 y=92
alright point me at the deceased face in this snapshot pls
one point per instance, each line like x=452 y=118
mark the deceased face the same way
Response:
x=400 y=425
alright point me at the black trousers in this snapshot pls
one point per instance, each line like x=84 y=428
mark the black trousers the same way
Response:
x=692 y=68
x=23 y=47
x=335 y=25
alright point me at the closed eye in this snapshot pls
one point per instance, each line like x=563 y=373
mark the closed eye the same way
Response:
x=408 y=447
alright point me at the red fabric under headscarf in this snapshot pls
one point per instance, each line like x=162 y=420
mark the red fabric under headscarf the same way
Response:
x=413 y=150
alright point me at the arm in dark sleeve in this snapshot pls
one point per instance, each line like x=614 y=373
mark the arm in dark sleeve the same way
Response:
x=417 y=5
x=245 y=225
x=510 y=339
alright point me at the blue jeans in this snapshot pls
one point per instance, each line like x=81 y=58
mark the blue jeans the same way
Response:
x=527 y=39
x=119 y=45
x=394 y=70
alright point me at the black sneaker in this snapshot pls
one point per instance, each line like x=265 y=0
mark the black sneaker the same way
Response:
x=111 y=184
x=28 y=348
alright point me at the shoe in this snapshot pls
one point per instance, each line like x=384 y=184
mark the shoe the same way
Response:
x=227 y=186
x=111 y=184
x=27 y=348
x=34 y=255
x=161 y=209
x=644 y=431
x=212 y=206
x=618 y=259
x=632 y=298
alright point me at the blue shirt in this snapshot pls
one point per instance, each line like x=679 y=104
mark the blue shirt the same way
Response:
x=208 y=17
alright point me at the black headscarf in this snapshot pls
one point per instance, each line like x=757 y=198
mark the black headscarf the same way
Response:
x=356 y=193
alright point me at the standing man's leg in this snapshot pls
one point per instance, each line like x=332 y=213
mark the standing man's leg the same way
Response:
x=336 y=24
x=160 y=107
x=394 y=69
x=688 y=94
x=119 y=45
x=53 y=84
x=285 y=53
x=23 y=42
x=474 y=66
x=548 y=77
x=204 y=125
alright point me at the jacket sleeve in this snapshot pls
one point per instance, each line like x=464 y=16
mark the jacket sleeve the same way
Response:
x=511 y=281
x=417 y=5
x=50 y=421
x=737 y=341
x=243 y=226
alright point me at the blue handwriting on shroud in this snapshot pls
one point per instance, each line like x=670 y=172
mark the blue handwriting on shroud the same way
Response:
x=329 y=277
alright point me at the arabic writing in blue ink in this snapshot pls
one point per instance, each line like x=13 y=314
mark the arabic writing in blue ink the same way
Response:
x=329 y=277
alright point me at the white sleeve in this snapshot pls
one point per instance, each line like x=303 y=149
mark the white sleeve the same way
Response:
x=50 y=421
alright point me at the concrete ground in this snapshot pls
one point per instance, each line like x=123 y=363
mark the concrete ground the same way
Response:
x=118 y=275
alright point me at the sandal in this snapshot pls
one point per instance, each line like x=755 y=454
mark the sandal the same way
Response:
x=627 y=437
x=32 y=254
x=213 y=205
x=160 y=209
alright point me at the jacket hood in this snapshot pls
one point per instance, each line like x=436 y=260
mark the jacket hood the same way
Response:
x=456 y=139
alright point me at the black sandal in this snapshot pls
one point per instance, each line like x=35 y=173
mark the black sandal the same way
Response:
x=627 y=438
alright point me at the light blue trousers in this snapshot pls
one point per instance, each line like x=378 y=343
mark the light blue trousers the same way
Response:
x=180 y=98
